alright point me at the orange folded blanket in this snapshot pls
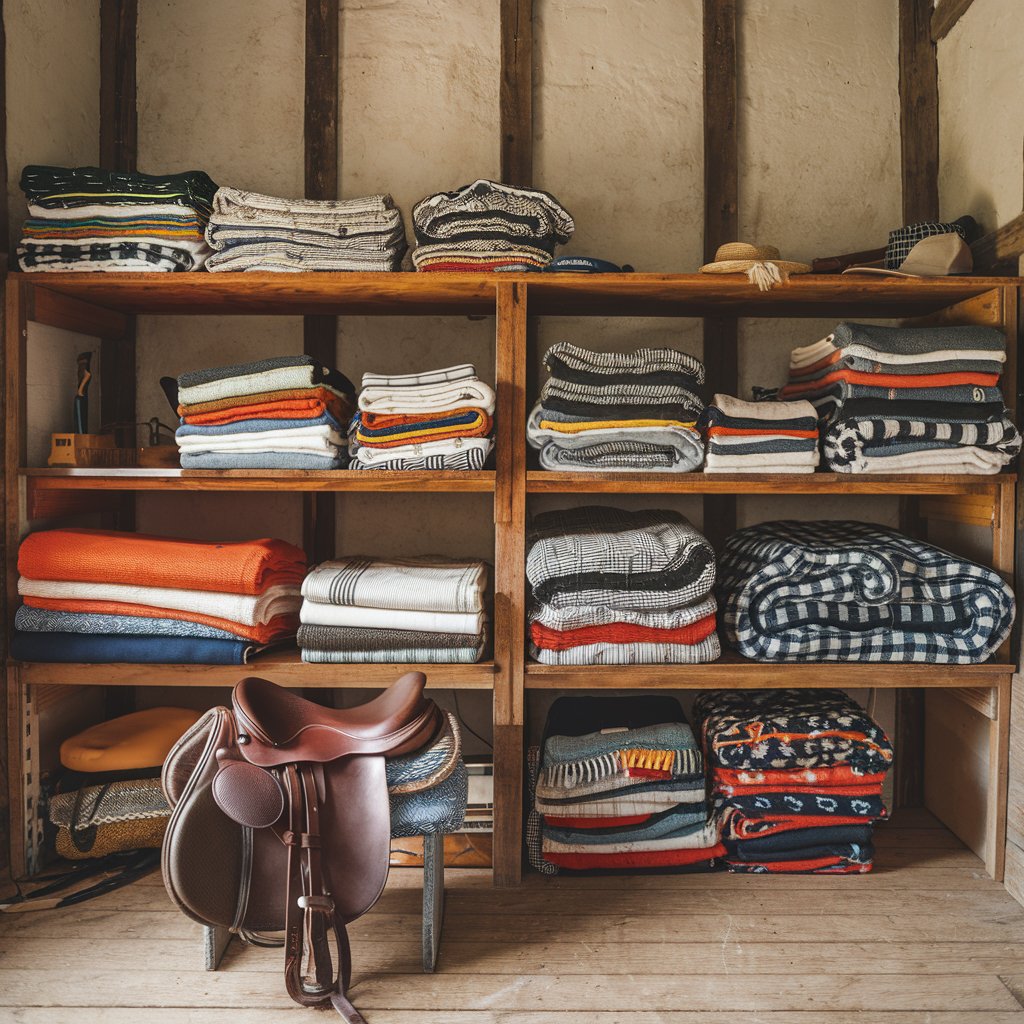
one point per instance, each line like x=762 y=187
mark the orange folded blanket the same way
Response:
x=320 y=400
x=619 y=633
x=106 y=556
x=322 y=393
x=276 y=629
x=887 y=380
x=794 y=778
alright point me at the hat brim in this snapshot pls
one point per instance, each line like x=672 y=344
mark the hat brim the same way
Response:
x=882 y=272
x=740 y=266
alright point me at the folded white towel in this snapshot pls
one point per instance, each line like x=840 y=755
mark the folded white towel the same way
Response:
x=247 y=610
x=470 y=392
x=385 y=618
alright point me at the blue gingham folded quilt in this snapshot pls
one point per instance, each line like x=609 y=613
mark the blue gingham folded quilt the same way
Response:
x=850 y=591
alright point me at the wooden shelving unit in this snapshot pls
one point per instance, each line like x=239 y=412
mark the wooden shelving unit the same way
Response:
x=103 y=305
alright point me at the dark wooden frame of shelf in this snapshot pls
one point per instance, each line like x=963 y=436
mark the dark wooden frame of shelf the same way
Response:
x=102 y=305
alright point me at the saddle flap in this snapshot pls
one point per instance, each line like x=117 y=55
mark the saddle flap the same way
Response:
x=248 y=795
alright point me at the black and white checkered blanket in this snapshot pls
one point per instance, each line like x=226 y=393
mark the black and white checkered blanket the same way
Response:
x=849 y=591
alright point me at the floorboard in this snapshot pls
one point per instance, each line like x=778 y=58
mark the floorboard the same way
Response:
x=927 y=938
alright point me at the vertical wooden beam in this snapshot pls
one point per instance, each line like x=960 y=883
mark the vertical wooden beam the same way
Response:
x=5 y=242
x=320 y=333
x=516 y=94
x=119 y=138
x=509 y=582
x=119 y=125
x=919 y=112
x=721 y=203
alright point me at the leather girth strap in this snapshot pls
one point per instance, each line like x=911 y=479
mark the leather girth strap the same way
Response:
x=310 y=911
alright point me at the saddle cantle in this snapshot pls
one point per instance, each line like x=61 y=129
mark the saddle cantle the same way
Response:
x=281 y=817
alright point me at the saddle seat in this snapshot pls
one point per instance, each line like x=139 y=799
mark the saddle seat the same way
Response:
x=279 y=727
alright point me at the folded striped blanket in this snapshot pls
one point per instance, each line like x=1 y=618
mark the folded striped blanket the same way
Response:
x=461 y=453
x=576 y=616
x=885 y=445
x=618 y=653
x=424 y=584
x=642 y=366
x=621 y=401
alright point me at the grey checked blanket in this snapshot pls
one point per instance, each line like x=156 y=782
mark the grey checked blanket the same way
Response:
x=850 y=591
x=595 y=548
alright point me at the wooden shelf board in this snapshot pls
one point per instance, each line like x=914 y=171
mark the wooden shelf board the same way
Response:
x=737 y=673
x=553 y=482
x=282 y=667
x=256 y=480
x=475 y=294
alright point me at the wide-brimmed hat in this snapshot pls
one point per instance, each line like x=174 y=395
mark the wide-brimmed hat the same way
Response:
x=761 y=263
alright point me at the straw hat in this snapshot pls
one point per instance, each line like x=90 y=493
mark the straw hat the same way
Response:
x=761 y=263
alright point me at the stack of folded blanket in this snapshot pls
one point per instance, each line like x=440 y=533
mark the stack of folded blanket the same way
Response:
x=621 y=785
x=412 y=610
x=288 y=412
x=760 y=437
x=441 y=419
x=85 y=218
x=796 y=777
x=908 y=399
x=98 y=596
x=612 y=587
x=848 y=591
x=620 y=412
x=488 y=226
x=255 y=232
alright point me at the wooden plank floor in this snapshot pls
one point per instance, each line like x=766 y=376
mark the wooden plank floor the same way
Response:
x=927 y=937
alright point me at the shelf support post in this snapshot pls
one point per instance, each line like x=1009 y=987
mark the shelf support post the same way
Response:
x=509 y=583
x=721 y=199
x=320 y=333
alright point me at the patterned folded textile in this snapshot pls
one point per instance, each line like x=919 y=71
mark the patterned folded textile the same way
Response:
x=68 y=187
x=195 y=433
x=621 y=401
x=627 y=454
x=423 y=584
x=591 y=726
x=619 y=633
x=736 y=825
x=848 y=591
x=361 y=638
x=755 y=730
x=483 y=254
x=633 y=797
x=128 y=255
x=41 y=620
x=841 y=774
x=321 y=439
x=798 y=839
x=106 y=556
x=138 y=650
x=639 y=859
x=655 y=366
x=262 y=375
x=291 y=403
x=275 y=628
x=88 y=219
x=828 y=865
x=462 y=453
x=251 y=610
x=391 y=431
x=595 y=547
x=405 y=656
x=262 y=460
x=677 y=829
x=258 y=232
x=467 y=392
x=857 y=445
x=491 y=210
x=816 y=804
x=577 y=617
x=709 y=649
x=381 y=618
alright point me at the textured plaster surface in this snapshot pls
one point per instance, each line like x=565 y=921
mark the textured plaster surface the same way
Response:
x=981 y=114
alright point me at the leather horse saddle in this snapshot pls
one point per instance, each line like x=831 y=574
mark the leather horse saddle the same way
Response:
x=281 y=818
